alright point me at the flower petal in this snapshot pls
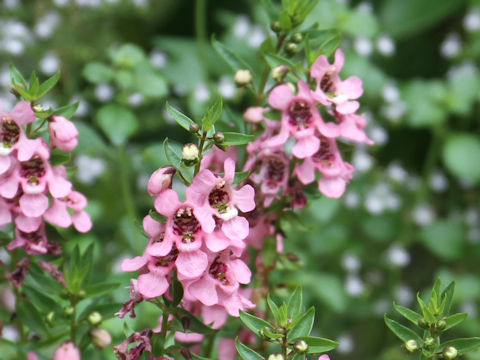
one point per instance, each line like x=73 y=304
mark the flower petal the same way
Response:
x=192 y=264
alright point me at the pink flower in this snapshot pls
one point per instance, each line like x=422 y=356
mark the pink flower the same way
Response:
x=32 y=356
x=254 y=115
x=135 y=298
x=215 y=159
x=34 y=243
x=161 y=180
x=300 y=118
x=333 y=91
x=58 y=214
x=67 y=351
x=352 y=127
x=324 y=357
x=142 y=343
x=215 y=198
x=63 y=133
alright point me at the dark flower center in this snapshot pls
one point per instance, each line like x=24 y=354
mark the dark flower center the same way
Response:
x=275 y=170
x=168 y=259
x=185 y=224
x=218 y=270
x=9 y=132
x=325 y=155
x=219 y=198
x=33 y=169
x=326 y=84
x=300 y=114
x=33 y=237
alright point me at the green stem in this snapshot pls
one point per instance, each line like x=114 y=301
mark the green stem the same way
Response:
x=163 y=332
x=284 y=346
x=201 y=32
x=200 y=152
x=73 y=323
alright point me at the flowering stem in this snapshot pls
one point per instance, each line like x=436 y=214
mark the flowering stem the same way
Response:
x=200 y=152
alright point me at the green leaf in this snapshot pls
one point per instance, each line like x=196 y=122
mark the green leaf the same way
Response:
x=253 y=323
x=246 y=353
x=463 y=345
x=16 y=76
x=303 y=326
x=100 y=288
x=67 y=111
x=273 y=308
x=427 y=314
x=455 y=319
x=410 y=315
x=44 y=302
x=444 y=238
x=59 y=157
x=96 y=72
x=30 y=316
x=34 y=85
x=212 y=115
x=24 y=93
x=240 y=176
x=181 y=119
x=458 y=152
x=156 y=216
x=275 y=60
x=198 y=357
x=127 y=55
x=447 y=294
x=177 y=291
x=150 y=82
x=323 y=42
x=172 y=156
x=48 y=85
x=117 y=122
x=294 y=302
x=229 y=56
x=195 y=324
x=317 y=344
x=402 y=332
x=232 y=138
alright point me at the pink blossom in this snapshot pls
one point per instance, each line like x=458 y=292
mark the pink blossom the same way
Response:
x=352 y=127
x=63 y=133
x=160 y=180
x=142 y=343
x=333 y=91
x=215 y=159
x=254 y=115
x=324 y=357
x=215 y=198
x=34 y=243
x=135 y=298
x=67 y=351
x=58 y=214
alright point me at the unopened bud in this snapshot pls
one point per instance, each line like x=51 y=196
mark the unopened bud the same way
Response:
x=69 y=310
x=50 y=316
x=95 y=318
x=291 y=48
x=243 y=77
x=15 y=92
x=301 y=346
x=82 y=293
x=450 y=353
x=275 y=26
x=101 y=338
x=411 y=345
x=297 y=38
x=276 y=357
x=190 y=152
x=194 y=127
x=429 y=342
x=441 y=324
x=219 y=137
x=161 y=180
x=38 y=108
x=254 y=114
x=422 y=323
x=279 y=72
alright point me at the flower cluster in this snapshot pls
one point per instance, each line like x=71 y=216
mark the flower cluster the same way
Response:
x=201 y=242
x=32 y=190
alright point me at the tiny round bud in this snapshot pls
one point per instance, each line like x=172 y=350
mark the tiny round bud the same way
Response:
x=441 y=324
x=279 y=72
x=411 y=345
x=194 y=128
x=243 y=77
x=50 y=316
x=275 y=26
x=69 y=310
x=82 y=293
x=301 y=346
x=297 y=38
x=219 y=137
x=190 y=152
x=429 y=342
x=450 y=353
x=95 y=318
x=291 y=48
x=38 y=108
x=101 y=338
x=254 y=114
x=276 y=357
x=422 y=323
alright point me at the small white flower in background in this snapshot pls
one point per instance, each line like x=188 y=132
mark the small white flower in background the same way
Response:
x=451 y=46
x=201 y=92
x=226 y=87
x=471 y=216
x=5 y=77
x=396 y=172
x=381 y=307
x=363 y=46
x=438 y=181
x=381 y=198
x=140 y=3
x=10 y=333
x=158 y=59
x=49 y=64
x=351 y=199
x=365 y=7
x=351 y=262
x=104 y=92
x=345 y=344
x=142 y=181
x=385 y=45
x=13 y=46
x=354 y=285
x=394 y=111
x=473 y=235
x=256 y=36
x=83 y=106
x=398 y=256
x=469 y=307
x=362 y=161
x=471 y=21
x=423 y=215
x=378 y=135
x=390 y=93
x=11 y=4
x=136 y=99
x=404 y=295
x=61 y=3
x=89 y=168
x=46 y=25
x=241 y=26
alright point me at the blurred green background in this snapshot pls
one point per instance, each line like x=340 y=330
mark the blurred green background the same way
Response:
x=410 y=214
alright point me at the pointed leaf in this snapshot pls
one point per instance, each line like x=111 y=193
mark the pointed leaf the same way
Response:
x=16 y=76
x=246 y=353
x=273 y=307
x=212 y=115
x=294 y=302
x=448 y=295
x=455 y=319
x=232 y=138
x=463 y=345
x=181 y=119
x=303 y=326
x=317 y=344
x=402 y=332
x=410 y=315
x=48 y=85
x=229 y=56
x=253 y=323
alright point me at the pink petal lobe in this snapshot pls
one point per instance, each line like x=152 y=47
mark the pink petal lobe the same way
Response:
x=33 y=205
x=152 y=285
x=236 y=228
x=192 y=264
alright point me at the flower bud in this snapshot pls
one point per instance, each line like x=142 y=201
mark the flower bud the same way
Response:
x=301 y=346
x=411 y=345
x=279 y=72
x=219 y=137
x=429 y=342
x=50 y=316
x=95 y=318
x=291 y=48
x=275 y=26
x=69 y=310
x=63 y=133
x=254 y=114
x=276 y=357
x=243 y=77
x=450 y=353
x=101 y=338
x=441 y=324
x=297 y=38
x=67 y=351
x=422 y=323
x=81 y=294
x=38 y=108
x=160 y=180
x=194 y=127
